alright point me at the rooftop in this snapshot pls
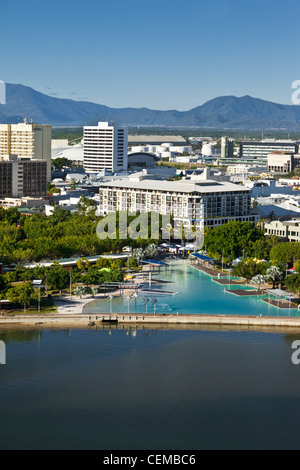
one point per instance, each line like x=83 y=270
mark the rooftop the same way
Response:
x=207 y=186
x=151 y=139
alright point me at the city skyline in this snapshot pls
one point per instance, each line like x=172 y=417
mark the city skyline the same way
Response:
x=165 y=55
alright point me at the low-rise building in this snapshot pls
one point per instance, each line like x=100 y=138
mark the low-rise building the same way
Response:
x=281 y=162
x=289 y=230
x=261 y=149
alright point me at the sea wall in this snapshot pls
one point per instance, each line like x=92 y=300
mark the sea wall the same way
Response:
x=62 y=321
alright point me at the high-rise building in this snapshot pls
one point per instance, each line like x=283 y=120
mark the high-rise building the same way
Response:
x=26 y=140
x=105 y=147
x=227 y=147
x=23 y=178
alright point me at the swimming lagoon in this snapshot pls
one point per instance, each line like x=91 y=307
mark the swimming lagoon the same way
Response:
x=187 y=290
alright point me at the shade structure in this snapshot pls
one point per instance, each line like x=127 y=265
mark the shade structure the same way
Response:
x=279 y=292
x=154 y=262
x=202 y=257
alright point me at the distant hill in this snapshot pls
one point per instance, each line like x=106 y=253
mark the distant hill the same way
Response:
x=226 y=112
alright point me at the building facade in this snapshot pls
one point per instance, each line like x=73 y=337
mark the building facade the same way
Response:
x=209 y=202
x=26 y=140
x=105 y=147
x=281 y=162
x=20 y=178
x=227 y=147
x=261 y=149
x=289 y=230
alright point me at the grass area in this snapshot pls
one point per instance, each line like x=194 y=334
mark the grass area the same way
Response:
x=47 y=306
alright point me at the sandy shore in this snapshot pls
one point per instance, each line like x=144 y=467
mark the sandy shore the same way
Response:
x=74 y=306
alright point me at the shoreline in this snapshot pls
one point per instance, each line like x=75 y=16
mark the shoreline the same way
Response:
x=149 y=320
x=70 y=314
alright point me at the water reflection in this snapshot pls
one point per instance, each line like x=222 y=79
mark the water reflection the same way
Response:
x=120 y=386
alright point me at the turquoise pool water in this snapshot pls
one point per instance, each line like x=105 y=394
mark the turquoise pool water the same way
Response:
x=196 y=292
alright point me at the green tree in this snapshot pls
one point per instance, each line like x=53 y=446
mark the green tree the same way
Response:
x=87 y=205
x=21 y=256
x=274 y=274
x=248 y=269
x=83 y=264
x=57 y=278
x=60 y=162
x=22 y=294
x=292 y=283
x=232 y=239
x=285 y=252
x=4 y=286
x=262 y=247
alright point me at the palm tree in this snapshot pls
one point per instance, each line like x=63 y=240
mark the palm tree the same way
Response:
x=274 y=274
x=151 y=251
x=258 y=280
x=81 y=290
x=138 y=254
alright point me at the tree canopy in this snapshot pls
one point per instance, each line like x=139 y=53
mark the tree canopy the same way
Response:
x=233 y=240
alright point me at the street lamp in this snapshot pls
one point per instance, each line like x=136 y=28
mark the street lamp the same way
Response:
x=110 y=300
x=134 y=296
x=154 y=301
x=70 y=285
x=146 y=301
x=222 y=259
x=39 y=304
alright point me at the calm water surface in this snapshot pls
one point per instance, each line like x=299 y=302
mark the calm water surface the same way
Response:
x=197 y=294
x=149 y=389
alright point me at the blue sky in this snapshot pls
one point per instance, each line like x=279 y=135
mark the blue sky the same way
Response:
x=161 y=54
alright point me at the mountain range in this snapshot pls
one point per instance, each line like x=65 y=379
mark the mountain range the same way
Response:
x=225 y=112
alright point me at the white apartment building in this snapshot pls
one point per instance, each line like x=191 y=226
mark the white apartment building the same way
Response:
x=289 y=230
x=105 y=147
x=26 y=140
x=216 y=202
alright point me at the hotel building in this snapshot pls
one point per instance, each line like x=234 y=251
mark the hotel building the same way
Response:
x=30 y=141
x=105 y=147
x=215 y=202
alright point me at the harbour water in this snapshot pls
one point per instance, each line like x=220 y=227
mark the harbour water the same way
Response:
x=117 y=388
x=170 y=388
